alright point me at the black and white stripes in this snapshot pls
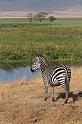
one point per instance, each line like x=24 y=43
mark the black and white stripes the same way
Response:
x=60 y=75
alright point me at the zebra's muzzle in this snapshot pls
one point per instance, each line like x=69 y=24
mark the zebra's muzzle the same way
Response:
x=31 y=70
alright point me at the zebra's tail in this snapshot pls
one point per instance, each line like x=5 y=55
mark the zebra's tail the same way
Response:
x=66 y=88
x=68 y=72
x=67 y=82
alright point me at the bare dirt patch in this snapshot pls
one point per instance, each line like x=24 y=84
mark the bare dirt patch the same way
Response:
x=23 y=102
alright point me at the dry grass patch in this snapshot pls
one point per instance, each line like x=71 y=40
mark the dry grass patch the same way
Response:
x=22 y=102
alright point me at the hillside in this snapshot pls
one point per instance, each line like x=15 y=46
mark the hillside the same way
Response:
x=22 y=102
x=67 y=13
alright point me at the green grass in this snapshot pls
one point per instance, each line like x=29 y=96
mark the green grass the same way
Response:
x=59 y=41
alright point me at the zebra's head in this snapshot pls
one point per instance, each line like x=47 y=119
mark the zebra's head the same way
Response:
x=37 y=62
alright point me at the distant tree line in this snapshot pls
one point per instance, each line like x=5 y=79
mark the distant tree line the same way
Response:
x=40 y=16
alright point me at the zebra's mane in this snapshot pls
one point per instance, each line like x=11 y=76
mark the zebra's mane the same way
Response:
x=43 y=59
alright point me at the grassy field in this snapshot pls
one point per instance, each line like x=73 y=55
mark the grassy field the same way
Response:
x=59 y=41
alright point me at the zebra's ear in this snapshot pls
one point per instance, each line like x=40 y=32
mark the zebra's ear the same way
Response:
x=42 y=58
x=35 y=58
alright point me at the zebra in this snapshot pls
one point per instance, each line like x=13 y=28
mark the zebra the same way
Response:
x=60 y=75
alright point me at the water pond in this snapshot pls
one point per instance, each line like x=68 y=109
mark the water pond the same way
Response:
x=7 y=75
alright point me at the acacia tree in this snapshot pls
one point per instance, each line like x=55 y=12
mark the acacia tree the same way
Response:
x=52 y=18
x=40 y=16
x=30 y=16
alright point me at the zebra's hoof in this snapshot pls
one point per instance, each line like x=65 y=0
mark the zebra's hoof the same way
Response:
x=53 y=99
x=65 y=102
x=45 y=98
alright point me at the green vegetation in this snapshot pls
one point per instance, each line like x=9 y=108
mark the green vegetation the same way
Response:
x=59 y=41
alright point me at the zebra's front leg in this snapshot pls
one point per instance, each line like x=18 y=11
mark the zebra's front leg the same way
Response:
x=46 y=92
x=53 y=94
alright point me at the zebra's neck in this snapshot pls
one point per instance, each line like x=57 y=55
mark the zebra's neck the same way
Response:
x=43 y=67
x=46 y=72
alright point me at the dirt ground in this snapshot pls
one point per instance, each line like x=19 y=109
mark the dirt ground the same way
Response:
x=22 y=102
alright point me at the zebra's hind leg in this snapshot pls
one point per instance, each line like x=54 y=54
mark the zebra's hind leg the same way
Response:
x=67 y=93
x=66 y=89
x=66 y=99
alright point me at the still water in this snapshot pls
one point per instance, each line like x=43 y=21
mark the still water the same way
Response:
x=17 y=74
